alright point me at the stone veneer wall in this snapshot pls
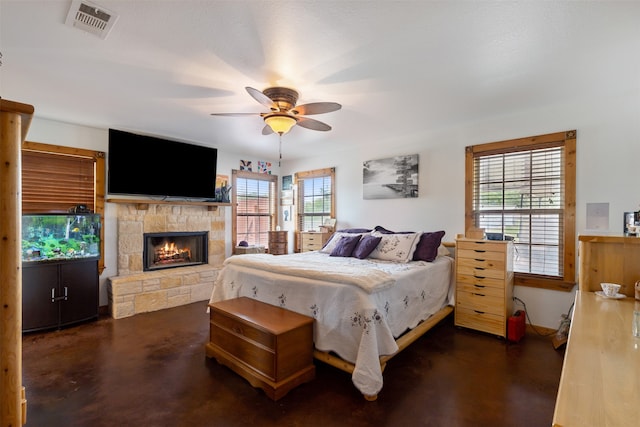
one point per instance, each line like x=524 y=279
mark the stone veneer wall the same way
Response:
x=136 y=291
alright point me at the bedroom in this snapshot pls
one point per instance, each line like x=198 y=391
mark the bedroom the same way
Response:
x=591 y=74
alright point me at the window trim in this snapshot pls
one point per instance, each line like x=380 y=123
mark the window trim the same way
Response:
x=273 y=179
x=566 y=139
x=298 y=176
x=98 y=184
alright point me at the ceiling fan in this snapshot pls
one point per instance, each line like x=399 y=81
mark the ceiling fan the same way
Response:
x=284 y=114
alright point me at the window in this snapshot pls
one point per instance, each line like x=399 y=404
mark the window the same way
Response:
x=524 y=190
x=254 y=207
x=56 y=178
x=316 y=198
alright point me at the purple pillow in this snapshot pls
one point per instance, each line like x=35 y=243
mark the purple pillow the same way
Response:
x=427 y=249
x=354 y=230
x=345 y=245
x=365 y=246
x=381 y=229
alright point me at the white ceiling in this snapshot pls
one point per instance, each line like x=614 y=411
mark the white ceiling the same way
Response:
x=399 y=68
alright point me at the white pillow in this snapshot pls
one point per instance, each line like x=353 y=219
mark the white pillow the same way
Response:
x=395 y=247
x=333 y=241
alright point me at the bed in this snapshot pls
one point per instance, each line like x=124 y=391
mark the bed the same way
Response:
x=366 y=309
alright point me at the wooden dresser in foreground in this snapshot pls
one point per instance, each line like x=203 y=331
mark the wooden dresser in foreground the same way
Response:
x=278 y=242
x=313 y=240
x=269 y=346
x=484 y=285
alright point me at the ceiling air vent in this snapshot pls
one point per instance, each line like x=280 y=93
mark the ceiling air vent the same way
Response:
x=91 y=18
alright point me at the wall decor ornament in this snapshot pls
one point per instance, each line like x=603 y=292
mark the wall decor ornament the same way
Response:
x=390 y=178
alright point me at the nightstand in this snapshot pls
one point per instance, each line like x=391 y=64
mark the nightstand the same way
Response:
x=313 y=240
x=484 y=285
x=278 y=242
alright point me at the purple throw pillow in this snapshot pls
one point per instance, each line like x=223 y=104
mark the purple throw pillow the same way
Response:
x=427 y=249
x=381 y=229
x=365 y=246
x=345 y=246
x=354 y=230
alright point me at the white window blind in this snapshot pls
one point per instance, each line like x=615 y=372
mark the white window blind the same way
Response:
x=520 y=196
x=315 y=201
x=255 y=207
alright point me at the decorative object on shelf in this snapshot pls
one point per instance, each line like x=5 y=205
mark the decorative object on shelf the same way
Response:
x=221 y=181
x=390 y=178
x=225 y=193
x=245 y=165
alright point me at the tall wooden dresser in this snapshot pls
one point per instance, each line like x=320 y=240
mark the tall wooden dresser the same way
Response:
x=278 y=242
x=484 y=285
x=313 y=240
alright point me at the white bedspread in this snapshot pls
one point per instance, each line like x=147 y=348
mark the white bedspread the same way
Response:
x=356 y=316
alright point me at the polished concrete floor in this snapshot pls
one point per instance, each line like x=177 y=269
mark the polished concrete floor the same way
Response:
x=151 y=370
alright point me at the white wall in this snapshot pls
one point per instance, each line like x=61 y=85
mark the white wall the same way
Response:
x=607 y=153
x=70 y=135
x=608 y=150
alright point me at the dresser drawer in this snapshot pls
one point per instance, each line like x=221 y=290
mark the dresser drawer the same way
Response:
x=313 y=241
x=496 y=290
x=278 y=237
x=277 y=248
x=480 y=246
x=481 y=302
x=470 y=270
x=485 y=322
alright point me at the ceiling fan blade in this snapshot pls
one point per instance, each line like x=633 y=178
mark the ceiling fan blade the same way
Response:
x=267 y=130
x=236 y=114
x=313 y=124
x=262 y=98
x=316 y=108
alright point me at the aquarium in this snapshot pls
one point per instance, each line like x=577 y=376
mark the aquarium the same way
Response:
x=60 y=236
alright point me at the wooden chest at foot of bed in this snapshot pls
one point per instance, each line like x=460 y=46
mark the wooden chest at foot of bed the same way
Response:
x=269 y=346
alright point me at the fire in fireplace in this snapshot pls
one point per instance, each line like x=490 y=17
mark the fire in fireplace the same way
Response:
x=174 y=249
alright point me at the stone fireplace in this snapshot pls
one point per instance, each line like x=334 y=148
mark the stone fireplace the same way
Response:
x=174 y=249
x=200 y=231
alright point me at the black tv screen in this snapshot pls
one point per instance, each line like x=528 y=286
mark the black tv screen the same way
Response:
x=150 y=166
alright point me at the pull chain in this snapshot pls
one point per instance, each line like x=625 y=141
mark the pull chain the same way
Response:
x=280 y=150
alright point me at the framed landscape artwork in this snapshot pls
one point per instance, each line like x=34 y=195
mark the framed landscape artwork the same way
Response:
x=390 y=178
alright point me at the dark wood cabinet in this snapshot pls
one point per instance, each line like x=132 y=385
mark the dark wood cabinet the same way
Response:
x=278 y=242
x=57 y=294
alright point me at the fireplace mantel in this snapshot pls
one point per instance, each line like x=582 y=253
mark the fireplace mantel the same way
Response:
x=143 y=204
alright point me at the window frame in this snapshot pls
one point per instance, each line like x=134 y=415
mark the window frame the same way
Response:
x=98 y=157
x=273 y=205
x=567 y=140
x=299 y=177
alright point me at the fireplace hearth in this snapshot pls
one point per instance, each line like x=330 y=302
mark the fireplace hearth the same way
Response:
x=174 y=249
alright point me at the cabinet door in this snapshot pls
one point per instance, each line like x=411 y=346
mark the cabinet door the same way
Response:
x=38 y=284
x=80 y=282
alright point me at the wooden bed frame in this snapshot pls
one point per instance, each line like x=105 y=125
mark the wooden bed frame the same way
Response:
x=403 y=342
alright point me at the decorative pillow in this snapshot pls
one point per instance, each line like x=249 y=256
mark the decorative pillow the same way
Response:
x=365 y=246
x=354 y=230
x=395 y=247
x=443 y=251
x=345 y=245
x=381 y=229
x=427 y=249
x=333 y=241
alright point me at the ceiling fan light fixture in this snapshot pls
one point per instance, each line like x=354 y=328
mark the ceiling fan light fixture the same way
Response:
x=280 y=123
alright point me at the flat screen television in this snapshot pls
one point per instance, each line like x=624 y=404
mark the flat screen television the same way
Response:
x=150 y=166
